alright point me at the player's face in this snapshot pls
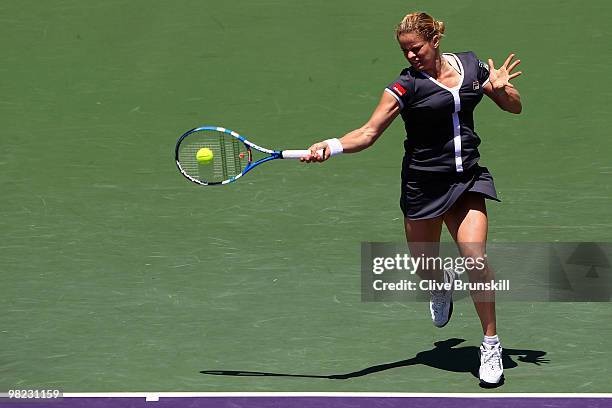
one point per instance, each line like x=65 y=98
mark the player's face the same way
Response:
x=419 y=52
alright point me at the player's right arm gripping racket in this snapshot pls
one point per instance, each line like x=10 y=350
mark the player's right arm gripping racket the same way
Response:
x=232 y=155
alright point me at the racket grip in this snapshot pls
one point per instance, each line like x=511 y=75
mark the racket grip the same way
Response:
x=296 y=154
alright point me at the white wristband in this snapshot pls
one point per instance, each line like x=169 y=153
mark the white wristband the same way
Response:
x=335 y=147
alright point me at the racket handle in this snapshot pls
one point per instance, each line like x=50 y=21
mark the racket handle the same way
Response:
x=296 y=154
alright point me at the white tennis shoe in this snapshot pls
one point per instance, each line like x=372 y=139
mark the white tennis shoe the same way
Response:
x=441 y=301
x=491 y=369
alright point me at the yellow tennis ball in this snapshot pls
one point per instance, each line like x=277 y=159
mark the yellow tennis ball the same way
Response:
x=204 y=155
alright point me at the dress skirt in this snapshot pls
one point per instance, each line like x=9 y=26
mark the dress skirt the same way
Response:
x=428 y=194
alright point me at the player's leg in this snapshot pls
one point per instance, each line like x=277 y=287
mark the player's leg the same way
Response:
x=468 y=225
x=467 y=222
x=423 y=238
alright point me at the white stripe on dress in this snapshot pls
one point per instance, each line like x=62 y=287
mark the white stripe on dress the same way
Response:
x=456 y=124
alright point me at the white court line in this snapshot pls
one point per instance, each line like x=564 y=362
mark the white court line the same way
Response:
x=484 y=394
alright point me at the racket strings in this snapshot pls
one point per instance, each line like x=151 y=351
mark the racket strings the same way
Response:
x=230 y=156
x=224 y=162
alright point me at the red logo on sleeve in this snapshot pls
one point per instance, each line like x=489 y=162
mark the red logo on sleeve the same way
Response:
x=398 y=89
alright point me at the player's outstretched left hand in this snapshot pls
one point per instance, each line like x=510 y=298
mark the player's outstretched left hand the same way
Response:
x=500 y=78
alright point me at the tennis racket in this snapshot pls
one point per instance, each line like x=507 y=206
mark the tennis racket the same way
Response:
x=232 y=155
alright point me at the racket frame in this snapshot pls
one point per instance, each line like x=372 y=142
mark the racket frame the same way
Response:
x=274 y=154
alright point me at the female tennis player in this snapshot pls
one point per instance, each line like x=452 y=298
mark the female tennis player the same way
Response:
x=442 y=181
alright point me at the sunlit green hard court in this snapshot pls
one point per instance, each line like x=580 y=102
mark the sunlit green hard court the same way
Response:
x=119 y=275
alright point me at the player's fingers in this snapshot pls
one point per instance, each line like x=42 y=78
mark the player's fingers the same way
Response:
x=513 y=65
x=316 y=156
x=326 y=153
x=312 y=157
x=515 y=75
x=508 y=60
x=320 y=152
x=491 y=66
x=313 y=153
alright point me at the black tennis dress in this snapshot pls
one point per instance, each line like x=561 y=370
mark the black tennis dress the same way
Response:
x=441 y=147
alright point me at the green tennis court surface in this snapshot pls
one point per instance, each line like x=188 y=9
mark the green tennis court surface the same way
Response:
x=119 y=275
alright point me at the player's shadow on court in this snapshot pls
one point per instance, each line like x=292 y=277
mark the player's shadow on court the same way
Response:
x=444 y=356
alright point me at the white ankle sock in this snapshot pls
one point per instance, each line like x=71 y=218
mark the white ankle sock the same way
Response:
x=491 y=340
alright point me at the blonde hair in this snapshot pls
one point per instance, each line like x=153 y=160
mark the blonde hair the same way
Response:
x=421 y=23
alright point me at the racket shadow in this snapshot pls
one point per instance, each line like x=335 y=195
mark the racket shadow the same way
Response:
x=444 y=356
